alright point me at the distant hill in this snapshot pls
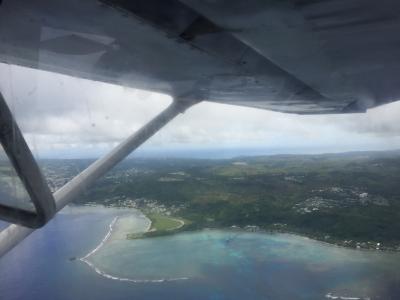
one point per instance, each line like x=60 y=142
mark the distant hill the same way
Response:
x=347 y=198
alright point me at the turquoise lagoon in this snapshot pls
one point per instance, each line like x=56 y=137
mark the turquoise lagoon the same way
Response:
x=207 y=264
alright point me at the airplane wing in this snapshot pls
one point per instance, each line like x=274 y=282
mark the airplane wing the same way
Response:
x=297 y=56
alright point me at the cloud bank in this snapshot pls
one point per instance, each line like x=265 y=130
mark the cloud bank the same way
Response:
x=60 y=114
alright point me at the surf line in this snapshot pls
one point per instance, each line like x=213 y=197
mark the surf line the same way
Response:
x=331 y=296
x=104 y=274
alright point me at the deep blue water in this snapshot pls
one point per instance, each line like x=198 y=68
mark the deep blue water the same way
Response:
x=220 y=264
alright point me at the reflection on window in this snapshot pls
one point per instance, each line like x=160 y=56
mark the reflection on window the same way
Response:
x=12 y=191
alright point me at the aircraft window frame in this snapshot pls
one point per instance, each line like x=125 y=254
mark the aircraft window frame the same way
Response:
x=29 y=173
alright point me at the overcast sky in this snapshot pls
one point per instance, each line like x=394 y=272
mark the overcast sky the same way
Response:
x=63 y=116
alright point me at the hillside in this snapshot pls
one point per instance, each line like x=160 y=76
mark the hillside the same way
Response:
x=351 y=199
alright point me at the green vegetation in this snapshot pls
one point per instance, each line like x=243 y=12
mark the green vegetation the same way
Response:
x=160 y=225
x=335 y=197
x=160 y=222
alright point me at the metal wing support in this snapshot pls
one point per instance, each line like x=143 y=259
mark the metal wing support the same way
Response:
x=28 y=172
x=14 y=234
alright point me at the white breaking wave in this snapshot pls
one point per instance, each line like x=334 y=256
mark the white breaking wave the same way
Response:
x=331 y=296
x=103 y=241
x=104 y=274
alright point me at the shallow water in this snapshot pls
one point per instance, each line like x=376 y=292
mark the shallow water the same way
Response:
x=217 y=264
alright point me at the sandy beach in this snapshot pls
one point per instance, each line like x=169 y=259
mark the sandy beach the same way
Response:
x=119 y=227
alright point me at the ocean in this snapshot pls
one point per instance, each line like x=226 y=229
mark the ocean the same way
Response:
x=207 y=264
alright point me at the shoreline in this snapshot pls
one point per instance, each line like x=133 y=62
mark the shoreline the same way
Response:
x=114 y=224
x=181 y=228
x=109 y=233
x=335 y=243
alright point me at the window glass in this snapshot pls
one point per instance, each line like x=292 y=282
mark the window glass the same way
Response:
x=12 y=190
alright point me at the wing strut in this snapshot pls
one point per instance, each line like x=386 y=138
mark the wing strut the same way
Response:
x=14 y=234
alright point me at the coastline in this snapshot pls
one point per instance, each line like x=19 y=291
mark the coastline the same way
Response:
x=336 y=242
x=188 y=225
x=103 y=242
x=249 y=228
x=122 y=221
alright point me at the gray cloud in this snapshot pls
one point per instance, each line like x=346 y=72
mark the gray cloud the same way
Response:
x=58 y=112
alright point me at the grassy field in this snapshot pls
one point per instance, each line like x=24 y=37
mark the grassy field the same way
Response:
x=161 y=223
